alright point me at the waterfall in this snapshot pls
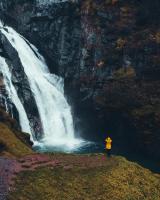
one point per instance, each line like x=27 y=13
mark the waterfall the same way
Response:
x=54 y=111
x=12 y=93
x=6 y=106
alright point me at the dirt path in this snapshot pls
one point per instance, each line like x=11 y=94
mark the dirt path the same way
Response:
x=6 y=174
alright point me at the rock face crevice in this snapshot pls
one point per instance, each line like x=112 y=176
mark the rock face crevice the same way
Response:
x=108 y=53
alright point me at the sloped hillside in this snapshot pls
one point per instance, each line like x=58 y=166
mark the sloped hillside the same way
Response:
x=13 y=143
x=115 y=178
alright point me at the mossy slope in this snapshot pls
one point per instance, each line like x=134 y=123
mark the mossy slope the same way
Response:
x=122 y=180
x=11 y=144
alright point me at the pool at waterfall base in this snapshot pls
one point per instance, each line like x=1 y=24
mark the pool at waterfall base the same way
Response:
x=76 y=146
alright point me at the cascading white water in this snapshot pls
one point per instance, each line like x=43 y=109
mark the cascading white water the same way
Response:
x=47 y=89
x=24 y=122
x=6 y=106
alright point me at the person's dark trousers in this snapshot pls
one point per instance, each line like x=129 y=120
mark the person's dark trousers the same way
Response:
x=109 y=153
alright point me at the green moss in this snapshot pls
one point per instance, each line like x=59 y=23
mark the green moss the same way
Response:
x=122 y=180
x=13 y=145
x=12 y=141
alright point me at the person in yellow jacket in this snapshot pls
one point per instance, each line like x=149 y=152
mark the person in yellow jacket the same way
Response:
x=108 y=141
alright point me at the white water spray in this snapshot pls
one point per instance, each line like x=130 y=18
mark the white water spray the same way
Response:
x=47 y=89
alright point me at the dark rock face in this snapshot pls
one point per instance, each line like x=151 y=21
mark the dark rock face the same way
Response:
x=54 y=29
x=21 y=84
x=131 y=109
x=108 y=53
x=18 y=76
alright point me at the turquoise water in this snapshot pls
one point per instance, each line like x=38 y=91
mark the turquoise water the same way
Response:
x=86 y=147
x=93 y=147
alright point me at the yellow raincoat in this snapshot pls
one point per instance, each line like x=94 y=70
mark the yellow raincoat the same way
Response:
x=108 y=143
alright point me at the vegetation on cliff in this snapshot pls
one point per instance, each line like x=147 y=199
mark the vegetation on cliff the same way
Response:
x=10 y=145
x=13 y=143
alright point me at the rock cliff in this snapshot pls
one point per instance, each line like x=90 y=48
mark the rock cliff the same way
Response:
x=108 y=53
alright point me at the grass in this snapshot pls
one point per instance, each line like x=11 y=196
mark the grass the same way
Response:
x=13 y=143
x=121 y=180
x=12 y=146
